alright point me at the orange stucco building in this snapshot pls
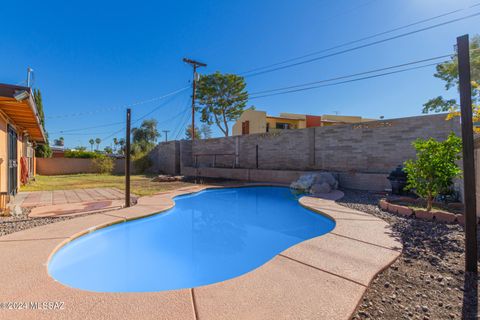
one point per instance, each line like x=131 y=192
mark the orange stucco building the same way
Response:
x=255 y=121
x=20 y=131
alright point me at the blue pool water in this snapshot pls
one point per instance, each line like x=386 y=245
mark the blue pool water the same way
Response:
x=207 y=237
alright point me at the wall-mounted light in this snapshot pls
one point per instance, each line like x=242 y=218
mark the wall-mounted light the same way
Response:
x=21 y=95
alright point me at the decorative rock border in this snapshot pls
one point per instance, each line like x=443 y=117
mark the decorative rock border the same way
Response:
x=440 y=216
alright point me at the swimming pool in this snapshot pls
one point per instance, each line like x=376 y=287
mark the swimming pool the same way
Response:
x=210 y=236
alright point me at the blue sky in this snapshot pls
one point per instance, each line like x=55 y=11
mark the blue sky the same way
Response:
x=95 y=57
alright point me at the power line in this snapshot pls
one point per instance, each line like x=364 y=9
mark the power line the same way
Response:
x=146 y=115
x=182 y=126
x=86 y=128
x=353 y=75
x=363 y=46
x=343 y=82
x=116 y=123
x=79 y=114
x=361 y=39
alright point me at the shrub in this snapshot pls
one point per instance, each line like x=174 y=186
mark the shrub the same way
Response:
x=103 y=164
x=81 y=154
x=435 y=167
x=141 y=162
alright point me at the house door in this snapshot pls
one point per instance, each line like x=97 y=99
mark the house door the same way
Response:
x=12 y=161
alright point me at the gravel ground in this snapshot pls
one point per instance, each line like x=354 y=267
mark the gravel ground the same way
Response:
x=21 y=222
x=427 y=281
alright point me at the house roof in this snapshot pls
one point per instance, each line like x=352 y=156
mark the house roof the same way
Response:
x=24 y=113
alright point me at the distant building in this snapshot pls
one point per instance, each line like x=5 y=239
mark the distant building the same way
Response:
x=57 y=152
x=254 y=121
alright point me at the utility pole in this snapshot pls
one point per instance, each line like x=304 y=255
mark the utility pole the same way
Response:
x=195 y=65
x=463 y=47
x=166 y=134
x=29 y=76
x=127 y=158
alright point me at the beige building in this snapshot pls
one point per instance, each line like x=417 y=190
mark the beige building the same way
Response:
x=20 y=131
x=255 y=121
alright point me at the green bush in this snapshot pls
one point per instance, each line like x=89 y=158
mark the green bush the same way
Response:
x=141 y=162
x=82 y=154
x=435 y=167
x=103 y=164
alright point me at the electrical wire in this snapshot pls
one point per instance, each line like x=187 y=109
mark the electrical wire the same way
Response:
x=116 y=123
x=79 y=114
x=353 y=75
x=146 y=115
x=363 y=45
x=346 y=81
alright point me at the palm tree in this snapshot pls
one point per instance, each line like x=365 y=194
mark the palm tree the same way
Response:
x=115 y=144
x=98 y=141
x=92 y=142
x=121 y=142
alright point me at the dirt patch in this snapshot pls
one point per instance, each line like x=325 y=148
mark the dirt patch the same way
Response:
x=427 y=281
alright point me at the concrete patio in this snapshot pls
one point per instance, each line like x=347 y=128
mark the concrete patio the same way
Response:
x=70 y=202
x=322 y=278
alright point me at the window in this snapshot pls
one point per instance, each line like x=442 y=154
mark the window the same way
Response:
x=281 y=125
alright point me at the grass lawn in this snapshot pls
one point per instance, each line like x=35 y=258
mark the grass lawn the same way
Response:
x=141 y=185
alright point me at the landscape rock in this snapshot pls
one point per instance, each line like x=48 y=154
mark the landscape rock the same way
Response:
x=320 y=180
x=423 y=214
x=445 y=216
x=320 y=188
x=326 y=177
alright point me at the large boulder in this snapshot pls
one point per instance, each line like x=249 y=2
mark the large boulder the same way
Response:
x=326 y=177
x=320 y=188
x=304 y=183
x=317 y=182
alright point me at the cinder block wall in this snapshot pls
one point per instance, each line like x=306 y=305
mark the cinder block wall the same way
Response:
x=166 y=158
x=373 y=147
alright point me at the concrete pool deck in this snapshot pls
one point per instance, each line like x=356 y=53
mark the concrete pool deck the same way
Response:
x=321 y=278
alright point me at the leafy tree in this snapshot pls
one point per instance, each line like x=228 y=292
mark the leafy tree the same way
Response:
x=41 y=150
x=188 y=133
x=434 y=168
x=81 y=148
x=60 y=142
x=108 y=150
x=448 y=72
x=98 y=141
x=92 y=142
x=205 y=131
x=121 y=143
x=221 y=98
x=145 y=137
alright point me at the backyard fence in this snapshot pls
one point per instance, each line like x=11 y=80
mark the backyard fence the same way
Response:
x=59 y=166
x=362 y=154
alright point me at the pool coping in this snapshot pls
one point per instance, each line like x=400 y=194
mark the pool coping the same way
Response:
x=355 y=232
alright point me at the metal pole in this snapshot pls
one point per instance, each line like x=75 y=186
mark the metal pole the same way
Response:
x=193 y=100
x=463 y=48
x=166 y=134
x=127 y=159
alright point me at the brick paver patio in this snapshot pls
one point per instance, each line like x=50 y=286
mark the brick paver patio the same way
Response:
x=57 y=197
